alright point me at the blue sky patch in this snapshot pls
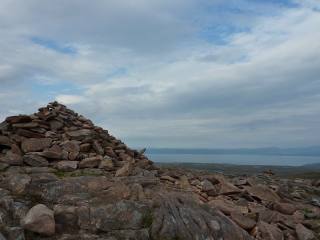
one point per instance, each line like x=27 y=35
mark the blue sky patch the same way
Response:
x=53 y=45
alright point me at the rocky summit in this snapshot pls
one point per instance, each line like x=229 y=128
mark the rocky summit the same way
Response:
x=62 y=177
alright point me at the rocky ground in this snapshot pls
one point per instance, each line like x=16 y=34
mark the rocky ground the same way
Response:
x=63 y=178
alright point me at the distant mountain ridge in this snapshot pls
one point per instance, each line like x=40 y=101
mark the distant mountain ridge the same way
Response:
x=303 y=151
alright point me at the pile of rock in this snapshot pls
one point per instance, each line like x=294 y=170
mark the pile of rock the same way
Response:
x=62 y=178
x=60 y=138
x=264 y=206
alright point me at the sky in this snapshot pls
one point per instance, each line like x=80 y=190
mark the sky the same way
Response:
x=169 y=73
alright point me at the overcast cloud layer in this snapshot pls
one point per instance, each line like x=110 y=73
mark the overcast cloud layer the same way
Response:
x=163 y=73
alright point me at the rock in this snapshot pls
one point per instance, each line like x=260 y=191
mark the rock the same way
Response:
x=25 y=125
x=285 y=208
x=2 y=237
x=243 y=221
x=207 y=186
x=3 y=166
x=227 y=206
x=18 y=119
x=269 y=231
x=39 y=219
x=119 y=216
x=71 y=146
x=304 y=233
x=125 y=170
x=35 y=144
x=66 y=218
x=5 y=141
x=97 y=147
x=85 y=147
x=55 y=125
x=80 y=134
x=90 y=162
x=107 y=164
x=168 y=178
x=67 y=165
x=35 y=160
x=17 y=183
x=178 y=217
x=15 y=233
x=29 y=134
x=263 y=192
x=12 y=159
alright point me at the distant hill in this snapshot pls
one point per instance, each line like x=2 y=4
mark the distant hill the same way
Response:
x=305 y=151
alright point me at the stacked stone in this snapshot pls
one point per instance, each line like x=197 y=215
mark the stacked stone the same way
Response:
x=60 y=138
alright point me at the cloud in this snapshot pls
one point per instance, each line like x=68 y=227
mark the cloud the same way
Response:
x=162 y=73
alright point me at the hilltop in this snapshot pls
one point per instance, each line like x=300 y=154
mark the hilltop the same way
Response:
x=62 y=177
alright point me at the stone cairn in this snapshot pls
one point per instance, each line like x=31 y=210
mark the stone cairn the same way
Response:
x=60 y=138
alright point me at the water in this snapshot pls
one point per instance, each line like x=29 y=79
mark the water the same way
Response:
x=235 y=159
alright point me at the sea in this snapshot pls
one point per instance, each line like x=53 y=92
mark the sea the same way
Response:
x=241 y=159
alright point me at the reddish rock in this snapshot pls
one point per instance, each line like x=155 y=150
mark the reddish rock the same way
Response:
x=243 y=221
x=91 y=162
x=285 y=208
x=269 y=231
x=18 y=119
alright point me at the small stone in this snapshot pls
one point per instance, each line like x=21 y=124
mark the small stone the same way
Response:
x=34 y=160
x=39 y=219
x=91 y=162
x=35 y=144
x=67 y=165
x=85 y=147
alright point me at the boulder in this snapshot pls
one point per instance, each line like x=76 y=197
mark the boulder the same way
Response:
x=39 y=219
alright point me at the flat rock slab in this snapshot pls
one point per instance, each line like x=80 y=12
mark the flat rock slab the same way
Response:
x=35 y=144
